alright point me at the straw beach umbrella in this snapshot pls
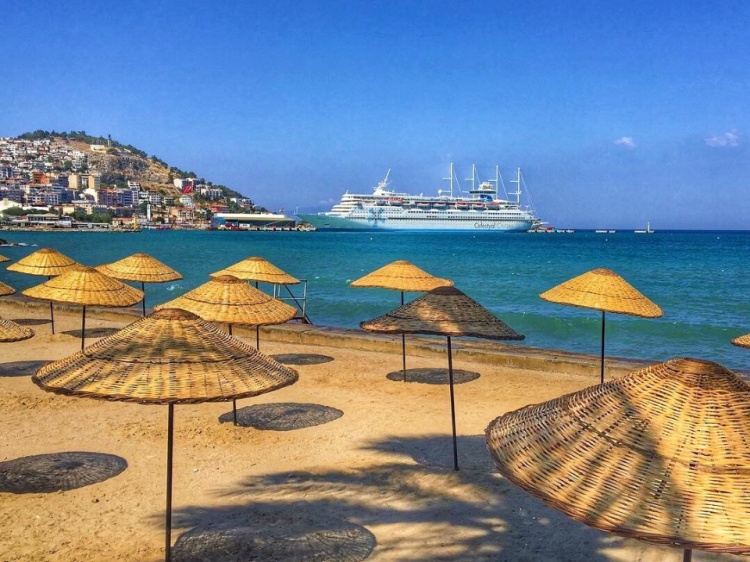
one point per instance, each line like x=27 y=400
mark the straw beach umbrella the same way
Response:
x=660 y=455
x=140 y=267
x=86 y=286
x=169 y=357
x=402 y=276
x=259 y=270
x=742 y=341
x=444 y=311
x=232 y=301
x=6 y=290
x=3 y=258
x=602 y=289
x=45 y=262
x=12 y=332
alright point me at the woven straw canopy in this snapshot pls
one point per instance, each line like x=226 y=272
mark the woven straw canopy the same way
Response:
x=232 y=301
x=86 y=286
x=444 y=311
x=3 y=258
x=603 y=289
x=258 y=269
x=10 y=331
x=742 y=341
x=140 y=267
x=660 y=455
x=45 y=261
x=401 y=275
x=6 y=290
x=168 y=357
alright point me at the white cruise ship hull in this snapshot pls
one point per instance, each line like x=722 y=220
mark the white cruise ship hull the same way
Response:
x=416 y=220
x=385 y=209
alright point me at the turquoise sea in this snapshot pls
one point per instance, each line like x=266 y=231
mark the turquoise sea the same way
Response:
x=698 y=278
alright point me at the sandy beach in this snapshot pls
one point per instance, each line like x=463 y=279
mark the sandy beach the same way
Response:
x=344 y=465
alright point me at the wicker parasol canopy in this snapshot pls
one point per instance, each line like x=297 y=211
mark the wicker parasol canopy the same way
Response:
x=3 y=258
x=169 y=357
x=86 y=286
x=258 y=269
x=140 y=267
x=10 y=331
x=444 y=311
x=660 y=455
x=45 y=261
x=602 y=289
x=742 y=341
x=401 y=275
x=6 y=290
x=232 y=301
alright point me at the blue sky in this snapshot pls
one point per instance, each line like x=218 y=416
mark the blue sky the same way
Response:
x=618 y=113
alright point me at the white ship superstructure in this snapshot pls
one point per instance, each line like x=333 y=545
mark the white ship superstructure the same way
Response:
x=386 y=209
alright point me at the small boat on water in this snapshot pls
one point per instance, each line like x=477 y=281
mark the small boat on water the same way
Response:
x=386 y=209
x=647 y=231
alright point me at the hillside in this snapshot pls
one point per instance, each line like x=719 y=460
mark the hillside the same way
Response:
x=119 y=163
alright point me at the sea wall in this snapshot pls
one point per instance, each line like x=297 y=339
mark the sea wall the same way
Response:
x=469 y=349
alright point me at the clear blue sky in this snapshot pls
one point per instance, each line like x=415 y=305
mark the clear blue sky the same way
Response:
x=618 y=112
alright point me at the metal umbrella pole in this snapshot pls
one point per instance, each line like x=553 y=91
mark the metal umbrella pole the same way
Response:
x=83 y=327
x=403 y=342
x=143 y=288
x=170 y=439
x=51 y=311
x=234 y=401
x=453 y=405
x=603 y=329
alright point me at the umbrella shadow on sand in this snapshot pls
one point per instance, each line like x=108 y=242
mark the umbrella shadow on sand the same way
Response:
x=473 y=514
x=285 y=416
x=20 y=368
x=266 y=531
x=92 y=332
x=44 y=474
x=301 y=358
x=433 y=376
x=31 y=321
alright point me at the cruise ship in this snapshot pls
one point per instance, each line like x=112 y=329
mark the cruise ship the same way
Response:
x=385 y=209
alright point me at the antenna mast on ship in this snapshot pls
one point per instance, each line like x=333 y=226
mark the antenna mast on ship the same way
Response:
x=382 y=184
x=496 y=181
x=517 y=181
x=473 y=178
x=451 y=178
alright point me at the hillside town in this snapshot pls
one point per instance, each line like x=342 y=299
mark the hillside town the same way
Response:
x=63 y=182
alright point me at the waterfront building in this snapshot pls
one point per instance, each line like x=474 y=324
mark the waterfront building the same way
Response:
x=154 y=197
x=127 y=197
x=250 y=221
x=107 y=197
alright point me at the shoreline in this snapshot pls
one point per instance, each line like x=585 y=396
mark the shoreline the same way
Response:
x=472 y=349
